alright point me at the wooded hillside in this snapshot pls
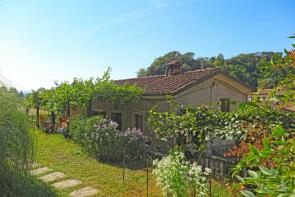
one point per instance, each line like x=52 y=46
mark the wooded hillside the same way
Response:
x=256 y=70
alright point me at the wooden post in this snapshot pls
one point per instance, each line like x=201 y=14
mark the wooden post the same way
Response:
x=210 y=187
x=69 y=109
x=52 y=115
x=37 y=115
x=89 y=108
x=147 y=175
x=124 y=166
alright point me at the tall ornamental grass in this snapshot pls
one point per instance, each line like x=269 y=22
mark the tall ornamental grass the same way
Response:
x=17 y=150
x=16 y=144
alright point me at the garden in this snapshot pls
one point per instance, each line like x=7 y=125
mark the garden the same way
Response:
x=129 y=163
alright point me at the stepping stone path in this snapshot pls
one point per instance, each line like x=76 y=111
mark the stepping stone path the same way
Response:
x=40 y=171
x=85 y=191
x=52 y=177
x=64 y=184
x=35 y=165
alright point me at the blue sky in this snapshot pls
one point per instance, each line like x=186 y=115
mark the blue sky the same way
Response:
x=44 y=41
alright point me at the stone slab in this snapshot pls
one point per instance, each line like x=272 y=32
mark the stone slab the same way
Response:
x=66 y=184
x=52 y=177
x=84 y=192
x=35 y=165
x=40 y=171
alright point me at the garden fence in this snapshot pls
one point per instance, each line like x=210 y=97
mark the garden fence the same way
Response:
x=220 y=166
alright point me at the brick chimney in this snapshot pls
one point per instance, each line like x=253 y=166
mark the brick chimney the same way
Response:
x=173 y=68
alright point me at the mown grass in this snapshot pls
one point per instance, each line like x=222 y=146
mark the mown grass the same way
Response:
x=65 y=156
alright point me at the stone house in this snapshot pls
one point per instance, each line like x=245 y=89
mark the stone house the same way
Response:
x=198 y=87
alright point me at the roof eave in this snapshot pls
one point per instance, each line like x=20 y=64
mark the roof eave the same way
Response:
x=195 y=82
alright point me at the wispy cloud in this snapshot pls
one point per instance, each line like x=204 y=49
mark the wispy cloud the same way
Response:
x=159 y=4
x=116 y=20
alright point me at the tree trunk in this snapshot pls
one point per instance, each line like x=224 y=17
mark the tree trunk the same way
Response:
x=52 y=115
x=37 y=116
x=27 y=110
x=89 y=108
x=69 y=110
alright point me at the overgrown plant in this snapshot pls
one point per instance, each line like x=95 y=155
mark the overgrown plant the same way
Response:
x=186 y=125
x=16 y=143
x=191 y=125
x=101 y=138
x=271 y=168
x=81 y=93
x=179 y=178
x=17 y=150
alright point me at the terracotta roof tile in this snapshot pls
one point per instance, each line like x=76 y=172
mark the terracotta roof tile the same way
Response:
x=157 y=85
x=140 y=81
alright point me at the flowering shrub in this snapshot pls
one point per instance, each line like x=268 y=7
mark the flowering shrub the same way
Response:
x=80 y=128
x=136 y=144
x=179 y=178
x=101 y=138
x=106 y=143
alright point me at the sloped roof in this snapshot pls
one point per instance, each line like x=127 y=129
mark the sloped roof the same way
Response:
x=171 y=84
x=140 y=81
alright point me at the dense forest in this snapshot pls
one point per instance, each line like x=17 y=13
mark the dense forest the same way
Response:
x=257 y=70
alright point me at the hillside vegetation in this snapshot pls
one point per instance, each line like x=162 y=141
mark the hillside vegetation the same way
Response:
x=256 y=70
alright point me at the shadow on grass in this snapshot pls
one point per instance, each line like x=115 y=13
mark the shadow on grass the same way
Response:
x=14 y=184
x=131 y=165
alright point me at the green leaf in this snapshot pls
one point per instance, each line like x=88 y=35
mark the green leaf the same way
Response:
x=247 y=193
x=265 y=143
x=240 y=178
x=285 y=195
x=253 y=174
x=253 y=150
x=266 y=171
x=286 y=51
x=278 y=131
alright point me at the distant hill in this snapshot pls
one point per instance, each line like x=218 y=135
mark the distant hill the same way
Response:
x=253 y=69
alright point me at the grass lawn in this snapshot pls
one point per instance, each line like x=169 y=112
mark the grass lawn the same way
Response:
x=65 y=156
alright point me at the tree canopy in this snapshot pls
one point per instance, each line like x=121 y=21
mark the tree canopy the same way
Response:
x=80 y=93
x=254 y=69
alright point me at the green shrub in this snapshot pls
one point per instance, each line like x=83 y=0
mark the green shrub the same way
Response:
x=270 y=167
x=16 y=145
x=19 y=184
x=81 y=127
x=16 y=150
x=102 y=139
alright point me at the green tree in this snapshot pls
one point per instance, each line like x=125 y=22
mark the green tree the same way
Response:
x=34 y=100
x=253 y=69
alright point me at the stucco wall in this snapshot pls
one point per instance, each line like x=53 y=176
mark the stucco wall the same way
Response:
x=128 y=111
x=209 y=92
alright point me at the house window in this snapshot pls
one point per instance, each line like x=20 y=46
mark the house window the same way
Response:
x=117 y=117
x=138 y=121
x=99 y=113
x=225 y=105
